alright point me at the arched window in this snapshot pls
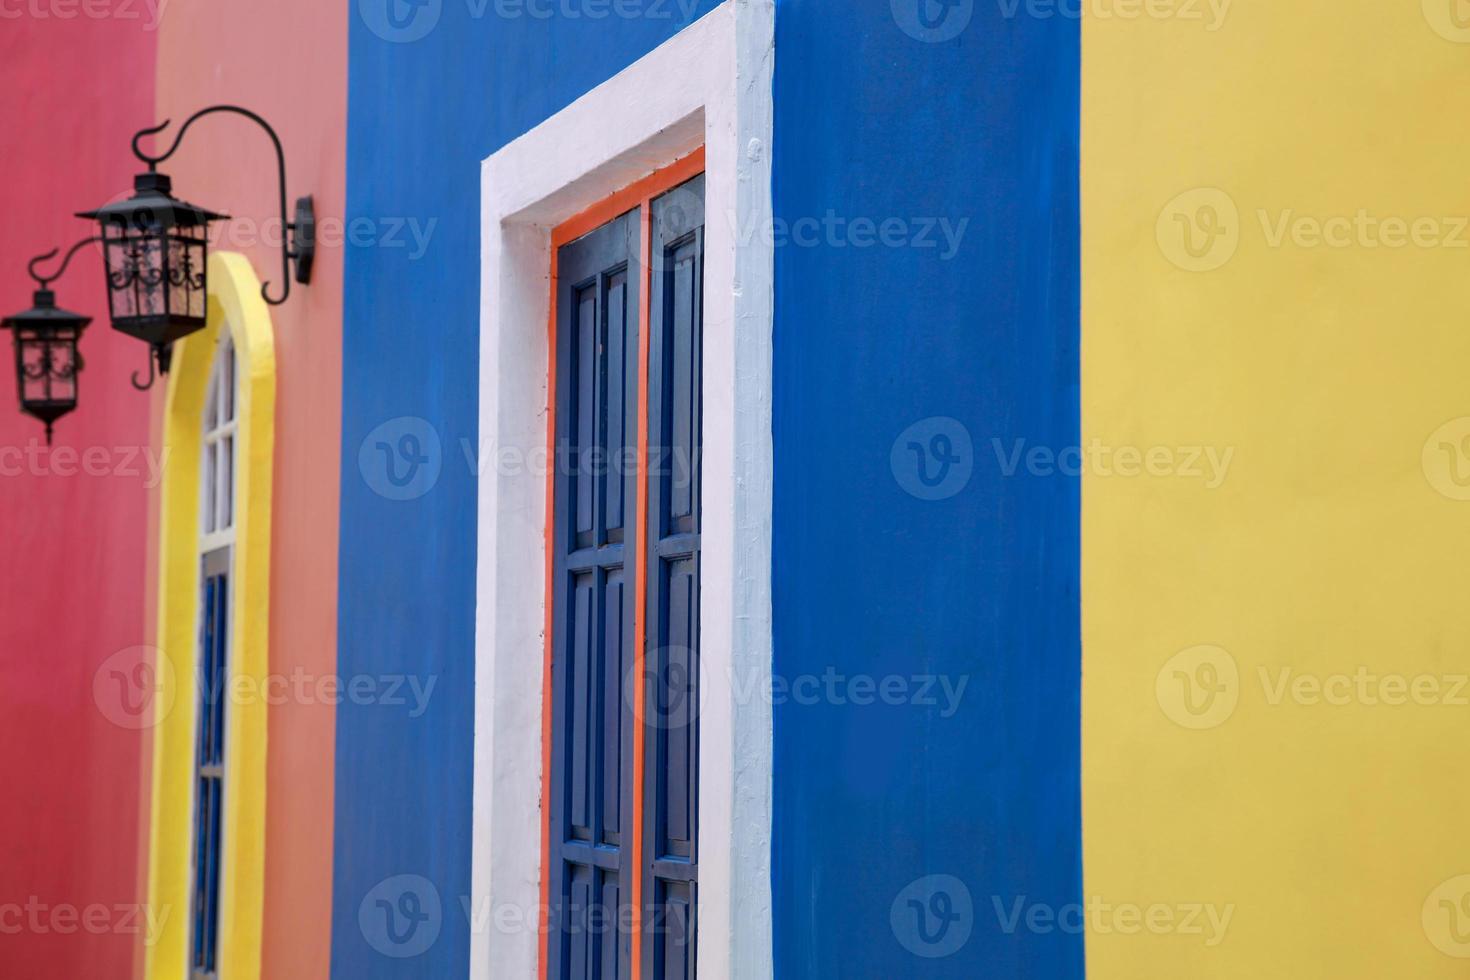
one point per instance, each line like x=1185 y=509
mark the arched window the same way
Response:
x=207 y=828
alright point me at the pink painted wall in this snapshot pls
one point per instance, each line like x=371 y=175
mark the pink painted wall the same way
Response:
x=287 y=61
x=73 y=520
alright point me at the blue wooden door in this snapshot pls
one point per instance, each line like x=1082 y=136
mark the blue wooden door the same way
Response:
x=593 y=537
x=671 y=744
x=209 y=761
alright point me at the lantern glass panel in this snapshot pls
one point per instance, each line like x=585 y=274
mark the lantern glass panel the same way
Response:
x=185 y=263
x=156 y=280
x=47 y=368
x=134 y=271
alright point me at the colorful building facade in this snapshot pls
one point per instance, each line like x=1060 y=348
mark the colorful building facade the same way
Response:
x=749 y=489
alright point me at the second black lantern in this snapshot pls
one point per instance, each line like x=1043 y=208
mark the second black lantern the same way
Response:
x=46 y=357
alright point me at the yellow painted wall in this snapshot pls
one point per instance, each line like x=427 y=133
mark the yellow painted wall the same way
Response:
x=1330 y=827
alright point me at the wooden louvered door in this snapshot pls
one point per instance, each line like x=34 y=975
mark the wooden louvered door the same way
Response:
x=671 y=740
x=624 y=539
x=593 y=540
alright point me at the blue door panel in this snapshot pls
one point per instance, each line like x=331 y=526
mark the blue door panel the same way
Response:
x=592 y=642
x=592 y=632
x=621 y=399
x=671 y=784
x=678 y=687
x=676 y=952
x=614 y=670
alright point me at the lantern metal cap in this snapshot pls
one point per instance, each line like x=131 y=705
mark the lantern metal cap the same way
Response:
x=46 y=315
x=152 y=206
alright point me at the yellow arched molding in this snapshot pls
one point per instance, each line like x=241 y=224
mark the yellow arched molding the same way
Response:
x=234 y=305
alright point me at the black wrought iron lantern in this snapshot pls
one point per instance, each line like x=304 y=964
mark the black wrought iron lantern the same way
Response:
x=47 y=360
x=155 y=247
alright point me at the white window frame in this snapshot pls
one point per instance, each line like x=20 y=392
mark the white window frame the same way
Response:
x=708 y=85
x=221 y=427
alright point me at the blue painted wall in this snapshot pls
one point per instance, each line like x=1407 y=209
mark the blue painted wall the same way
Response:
x=433 y=89
x=872 y=579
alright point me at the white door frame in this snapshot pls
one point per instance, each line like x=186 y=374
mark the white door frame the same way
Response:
x=710 y=84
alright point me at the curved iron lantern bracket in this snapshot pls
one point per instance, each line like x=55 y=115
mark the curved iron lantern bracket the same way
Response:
x=301 y=247
x=43 y=281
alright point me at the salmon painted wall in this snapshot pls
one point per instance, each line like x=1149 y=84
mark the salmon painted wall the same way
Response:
x=1275 y=272
x=286 y=61
x=72 y=519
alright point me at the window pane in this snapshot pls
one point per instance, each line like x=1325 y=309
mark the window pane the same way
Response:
x=227 y=382
x=206 y=497
x=227 y=483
